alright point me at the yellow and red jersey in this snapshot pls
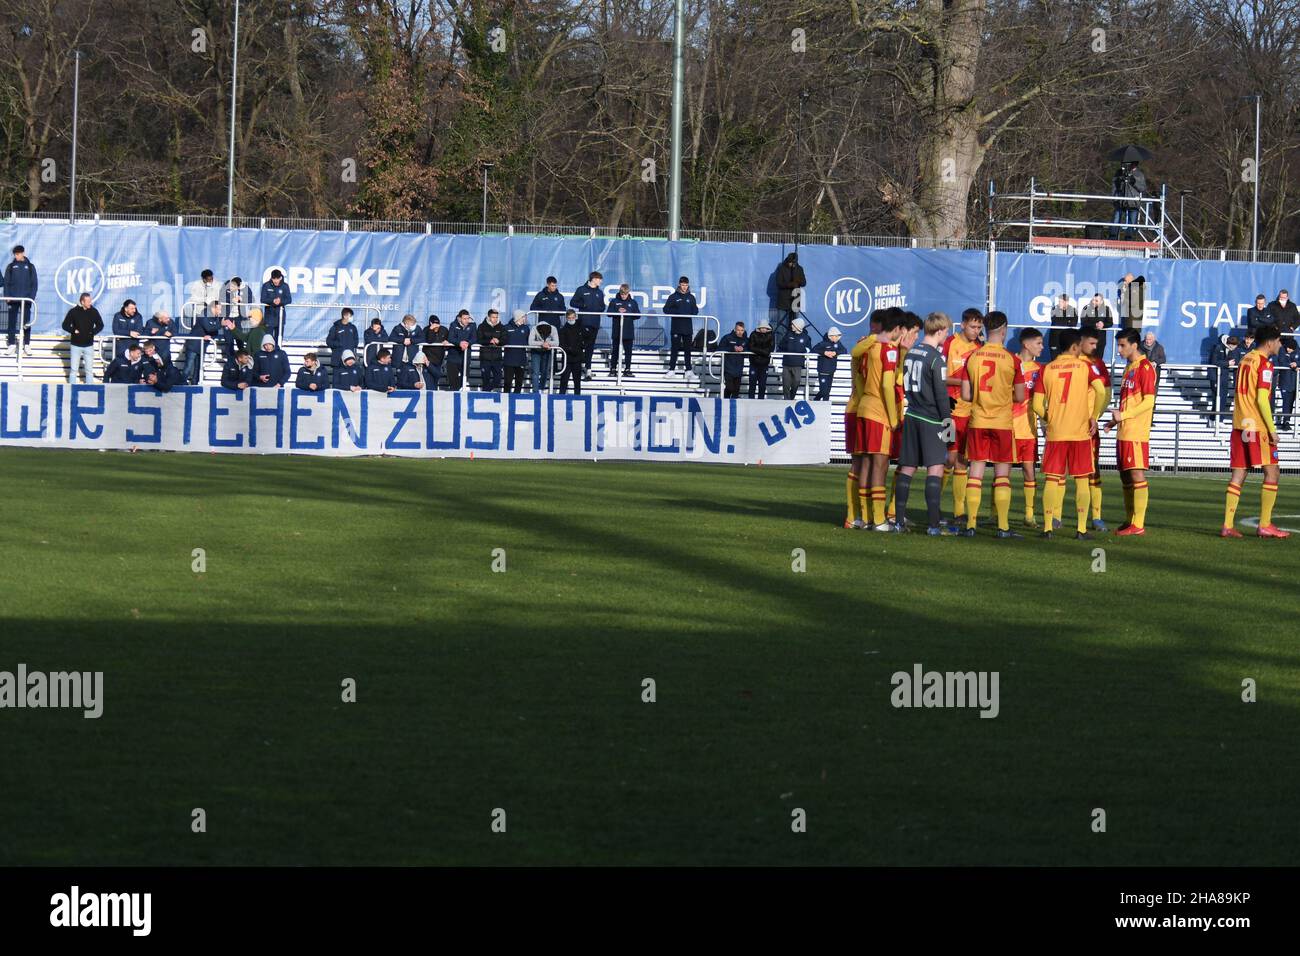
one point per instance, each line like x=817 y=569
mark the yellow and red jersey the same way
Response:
x=880 y=359
x=1022 y=413
x=1139 y=382
x=1254 y=374
x=1102 y=369
x=855 y=357
x=1066 y=385
x=955 y=349
x=993 y=373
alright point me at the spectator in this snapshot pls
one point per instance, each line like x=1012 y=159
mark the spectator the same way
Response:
x=681 y=305
x=573 y=339
x=342 y=337
x=275 y=296
x=1259 y=314
x=1064 y=316
x=312 y=377
x=127 y=368
x=347 y=377
x=624 y=312
x=151 y=359
x=542 y=357
x=411 y=375
x=1132 y=302
x=250 y=338
x=1128 y=186
x=235 y=300
x=271 y=366
x=463 y=334
x=516 y=353
x=1154 y=351
x=379 y=373
x=162 y=378
x=406 y=340
x=20 y=282
x=374 y=337
x=82 y=323
x=549 y=303
x=491 y=336
x=1287 y=365
x=761 y=346
x=427 y=380
x=1285 y=315
x=829 y=351
x=161 y=330
x=238 y=373
x=198 y=295
x=1223 y=358
x=226 y=341
x=435 y=351
x=734 y=344
x=204 y=330
x=706 y=340
x=790 y=282
x=1096 y=315
x=589 y=301
x=128 y=324
x=796 y=345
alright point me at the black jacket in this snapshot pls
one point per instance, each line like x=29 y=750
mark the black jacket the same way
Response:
x=789 y=276
x=83 y=324
x=570 y=335
x=1285 y=317
x=490 y=338
x=434 y=352
x=762 y=343
x=1255 y=318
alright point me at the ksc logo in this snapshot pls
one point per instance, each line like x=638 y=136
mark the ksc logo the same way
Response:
x=848 y=301
x=77 y=275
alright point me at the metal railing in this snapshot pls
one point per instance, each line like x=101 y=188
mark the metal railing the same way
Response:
x=26 y=318
x=722 y=355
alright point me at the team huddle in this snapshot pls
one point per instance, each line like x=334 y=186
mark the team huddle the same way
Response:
x=952 y=403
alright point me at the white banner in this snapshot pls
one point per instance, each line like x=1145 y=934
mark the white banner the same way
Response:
x=415 y=424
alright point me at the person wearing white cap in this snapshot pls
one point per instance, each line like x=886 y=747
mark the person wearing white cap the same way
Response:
x=796 y=345
x=270 y=365
x=347 y=377
x=762 y=343
x=828 y=352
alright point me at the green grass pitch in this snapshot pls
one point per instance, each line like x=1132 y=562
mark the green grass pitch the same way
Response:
x=522 y=690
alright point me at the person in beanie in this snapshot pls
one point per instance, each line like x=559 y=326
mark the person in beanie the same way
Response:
x=342 y=337
x=347 y=377
x=734 y=344
x=312 y=377
x=828 y=352
x=271 y=366
x=462 y=335
x=516 y=358
x=624 y=312
x=761 y=346
x=20 y=282
x=238 y=373
x=427 y=380
x=589 y=302
x=681 y=305
x=82 y=323
x=435 y=351
x=128 y=326
x=549 y=303
x=411 y=375
x=796 y=344
x=573 y=340
x=543 y=341
x=491 y=336
x=275 y=296
x=379 y=373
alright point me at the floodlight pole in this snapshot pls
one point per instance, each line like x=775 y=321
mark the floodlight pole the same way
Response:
x=486 y=167
x=76 y=100
x=679 y=85
x=1254 y=222
x=234 y=86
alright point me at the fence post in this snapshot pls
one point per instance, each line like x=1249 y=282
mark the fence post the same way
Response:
x=1177 y=429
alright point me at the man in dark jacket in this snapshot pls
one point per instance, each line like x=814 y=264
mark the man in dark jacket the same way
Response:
x=1224 y=358
x=796 y=344
x=573 y=341
x=1127 y=186
x=161 y=330
x=734 y=344
x=549 y=303
x=1258 y=314
x=491 y=336
x=1097 y=316
x=271 y=366
x=127 y=368
x=624 y=312
x=20 y=282
x=790 y=283
x=516 y=352
x=1132 y=302
x=275 y=296
x=347 y=377
x=406 y=339
x=342 y=337
x=128 y=326
x=1287 y=368
x=828 y=351
x=681 y=305
x=462 y=335
x=163 y=378
x=435 y=351
x=1285 y=315
x=379 y=373
x=238 y=373
x=312 y=377
x=204 y=332
x=374 y=339
x=761 y=346
x=589 y=302
x=82 y=323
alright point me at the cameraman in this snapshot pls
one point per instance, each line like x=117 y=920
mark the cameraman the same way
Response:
x=1128 y=185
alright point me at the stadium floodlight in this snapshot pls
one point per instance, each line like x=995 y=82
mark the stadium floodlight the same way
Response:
x=76 y=99
x=234 y=85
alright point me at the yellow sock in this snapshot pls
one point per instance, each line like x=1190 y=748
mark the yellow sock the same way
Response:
x=1230 y=506
x=1082 y=495
x=1002 y=502
x=1128 y=502
x=1052 y=501
x=959 y=492
x=1031 y=489
x=947 y=477
x=878 y=504
x=851 y=488
x=893 y=479
x=864 y=504
x=1138 y=508
x=1095 y=483
x=1267 y=498
x=974 y=489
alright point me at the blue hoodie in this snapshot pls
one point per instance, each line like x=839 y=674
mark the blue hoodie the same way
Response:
x=122 y=371
x=380 y=378
x=455 y=335
x=234 y=373
x=308 y=377
x=273 y=363
x=205 y=324
x=124 y=325
x=407 y=376
x=345 y=376
x=343 y=336
x=549 y=307
x=20 y=279
x=403 y=354
x=517 y=334
x=681 y=306
x=797 y=342
x=826 y=366
x=273 y=315
x=624 y=313
x=587 y=299
x=733 y=364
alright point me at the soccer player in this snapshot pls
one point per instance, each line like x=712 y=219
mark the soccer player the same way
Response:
x=925 y=380
x=955 y=350
x=1089 y=347
x=878 y=416
x=1137 y=404
x=853 y=519
x=1254 y=437
x=909 y=332
x=1025 y=422
x=992 y=382
x=1069 y=395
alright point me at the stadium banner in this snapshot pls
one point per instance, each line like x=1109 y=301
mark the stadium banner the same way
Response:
x=1189 y=303
x=389 y=274
x=415 y=424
